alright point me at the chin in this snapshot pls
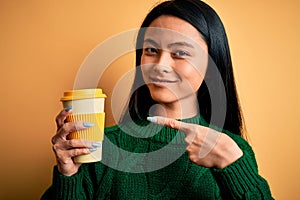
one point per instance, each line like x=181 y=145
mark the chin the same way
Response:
x=164 y=98
x=163 y=94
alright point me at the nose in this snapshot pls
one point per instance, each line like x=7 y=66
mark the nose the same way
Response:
x=164 y=63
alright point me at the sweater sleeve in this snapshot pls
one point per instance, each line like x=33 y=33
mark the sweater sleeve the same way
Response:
x=78 y=186
x=240 y=180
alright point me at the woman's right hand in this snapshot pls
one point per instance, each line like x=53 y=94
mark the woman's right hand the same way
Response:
x=65 y=150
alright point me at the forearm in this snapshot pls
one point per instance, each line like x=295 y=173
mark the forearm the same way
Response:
x=240 y=180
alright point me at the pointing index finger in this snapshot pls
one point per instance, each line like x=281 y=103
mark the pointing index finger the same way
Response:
x=172 y=123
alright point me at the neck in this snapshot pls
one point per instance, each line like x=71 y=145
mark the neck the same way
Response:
x=181 y=109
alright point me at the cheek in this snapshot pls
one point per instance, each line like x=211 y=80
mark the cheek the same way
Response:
x=147 y=59
x=196 y=73
x=145 y=72
x=145 y=68
x=191 y=76
x=196 y=82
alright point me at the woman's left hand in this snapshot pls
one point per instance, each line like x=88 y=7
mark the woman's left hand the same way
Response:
x=206 y=147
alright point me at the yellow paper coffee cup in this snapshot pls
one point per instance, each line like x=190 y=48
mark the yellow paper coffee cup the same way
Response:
x=88 y=106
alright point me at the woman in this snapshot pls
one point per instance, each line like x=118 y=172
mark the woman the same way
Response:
x=183 y=72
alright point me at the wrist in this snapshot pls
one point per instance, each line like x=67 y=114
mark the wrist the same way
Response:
x=228 y=152
x=230 y=159
x=66 y=172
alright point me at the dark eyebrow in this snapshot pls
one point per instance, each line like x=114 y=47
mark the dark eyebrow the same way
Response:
x=148 y=40
x=151 y=41
x=181 y=44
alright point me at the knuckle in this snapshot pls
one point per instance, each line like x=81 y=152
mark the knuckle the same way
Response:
x=56 y=148
x=62 y=160
x=53 y=140
x=195 y=142
x=187 y=140
x=74 y=143
x=194 y=159
x=59 y=118
x=73 y=152
x=59 y=154
x=189 y=149
x=77 y=152
x=57 y=121
x=63 y=156
x=70 y=143
x=56 y=139
x=173 y=123
x=66 y=127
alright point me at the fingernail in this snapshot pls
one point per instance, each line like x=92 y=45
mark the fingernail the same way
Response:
x=96 y=144
x=67 y=109
x=152 y=119
x=92 y=149
x=88 y=124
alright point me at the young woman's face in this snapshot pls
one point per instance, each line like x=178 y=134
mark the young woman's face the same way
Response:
x=174 y=59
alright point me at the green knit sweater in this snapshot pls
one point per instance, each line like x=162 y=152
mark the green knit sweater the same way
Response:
x=148 y=161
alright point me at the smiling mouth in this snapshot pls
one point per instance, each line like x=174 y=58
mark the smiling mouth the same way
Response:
x=161 y=81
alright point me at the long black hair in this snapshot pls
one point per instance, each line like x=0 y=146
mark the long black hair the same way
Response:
x=208 y=23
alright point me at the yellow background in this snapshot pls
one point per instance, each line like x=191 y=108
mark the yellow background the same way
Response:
x=43 y=43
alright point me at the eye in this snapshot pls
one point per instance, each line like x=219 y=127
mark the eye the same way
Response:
x=150 y=50
x=180 y=53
